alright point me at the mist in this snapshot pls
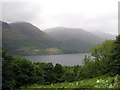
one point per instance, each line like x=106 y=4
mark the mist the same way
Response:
x=91 y=15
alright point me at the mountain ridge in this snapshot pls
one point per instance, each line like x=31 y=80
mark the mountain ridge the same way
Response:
x=74 y=39
x=26 y=39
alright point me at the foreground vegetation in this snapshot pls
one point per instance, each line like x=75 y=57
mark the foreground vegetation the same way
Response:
x=98 y=82
x=104 y=60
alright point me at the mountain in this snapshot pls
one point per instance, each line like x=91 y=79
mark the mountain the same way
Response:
x=10 y=37
x=73 y=40
x=104 y=35
x=9 y=33
x=23 y=38
x=29 y=31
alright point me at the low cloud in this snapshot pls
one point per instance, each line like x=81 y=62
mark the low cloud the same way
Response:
x=47 y=14
x=19 y=11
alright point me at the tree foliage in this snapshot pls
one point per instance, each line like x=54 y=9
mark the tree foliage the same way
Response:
x=116 y=56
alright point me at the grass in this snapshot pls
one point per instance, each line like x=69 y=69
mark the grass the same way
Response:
x=98 y=82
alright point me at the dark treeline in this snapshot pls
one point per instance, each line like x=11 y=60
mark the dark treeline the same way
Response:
x=17 y=71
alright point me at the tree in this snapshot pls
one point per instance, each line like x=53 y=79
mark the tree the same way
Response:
x=23 y=71
x=102 y=53
x=58 y=71
x=39 y=74
x=69 y=74
x=8 y=81
x=48 y=72
x=116 y=56
x=99 y=62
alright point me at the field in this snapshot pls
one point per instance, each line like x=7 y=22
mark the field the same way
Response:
x=98 y=82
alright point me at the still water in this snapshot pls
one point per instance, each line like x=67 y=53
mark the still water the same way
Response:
x=64 y=59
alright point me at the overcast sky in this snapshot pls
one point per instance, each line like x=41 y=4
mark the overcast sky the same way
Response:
x=101 y=15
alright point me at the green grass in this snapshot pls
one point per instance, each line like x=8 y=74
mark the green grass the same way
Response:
x=99 y=82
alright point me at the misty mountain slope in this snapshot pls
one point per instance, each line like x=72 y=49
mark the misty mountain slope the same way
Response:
x=29 y=30
x=25 y=39
x=74 y=39
x=11 y=40
x=9 y=33
x=33 y=34
x=104 y=35
x=62 y=33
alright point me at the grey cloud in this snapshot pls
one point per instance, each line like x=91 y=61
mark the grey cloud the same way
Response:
x=23 y=11
x=18 y=11
x=105 y=23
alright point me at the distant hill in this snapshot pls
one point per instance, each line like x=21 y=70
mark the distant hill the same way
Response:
x=29 y=31
x=8 y=32
x=10 y=38
x=73 y=39
x=104 y=35
x=23 y=38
